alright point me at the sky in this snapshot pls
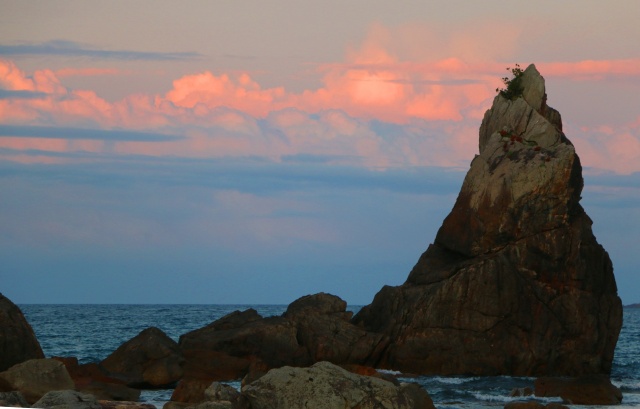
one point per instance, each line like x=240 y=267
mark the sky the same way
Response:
x=239 y=152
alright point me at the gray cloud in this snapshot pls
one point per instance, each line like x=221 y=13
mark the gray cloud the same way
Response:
x=21 y=94
x=249 y=174
x=74 y=49
x=49 y=132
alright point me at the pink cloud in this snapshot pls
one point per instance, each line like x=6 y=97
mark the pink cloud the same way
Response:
x=233 y=115
x=592 y=69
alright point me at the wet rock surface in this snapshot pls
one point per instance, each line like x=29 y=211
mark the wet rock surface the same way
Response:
x=584 y=390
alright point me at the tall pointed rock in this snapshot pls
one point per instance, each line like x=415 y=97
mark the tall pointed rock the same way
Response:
x=515 y=281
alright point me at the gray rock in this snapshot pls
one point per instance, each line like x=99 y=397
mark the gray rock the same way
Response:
x=221 y=392
x=13 y=399
x=533 y=88
x=36 y=377
x=67 y=399
x=326 y=386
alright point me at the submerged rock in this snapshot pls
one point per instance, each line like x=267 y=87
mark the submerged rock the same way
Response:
x=515 y=281
x=18 y=342
x=585 y=390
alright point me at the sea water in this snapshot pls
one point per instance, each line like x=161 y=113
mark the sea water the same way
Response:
x=91 y=332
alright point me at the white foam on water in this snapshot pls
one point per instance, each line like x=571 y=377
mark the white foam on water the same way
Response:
x=454 y=381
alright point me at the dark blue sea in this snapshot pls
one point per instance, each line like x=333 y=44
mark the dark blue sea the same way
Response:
x=92 y=332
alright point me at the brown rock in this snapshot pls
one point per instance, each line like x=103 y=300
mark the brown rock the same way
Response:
x=256 y=370
x=149 y=360
x=225 y=349
x=36 y=377
x=515 y=282
x=93 y=379
x=314 y=328
x=585 y=390
x=190 y=390
x=327 y=334
x=18 y=342
x=321 y=303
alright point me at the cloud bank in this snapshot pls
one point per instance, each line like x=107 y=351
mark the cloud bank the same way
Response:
x=398 y=99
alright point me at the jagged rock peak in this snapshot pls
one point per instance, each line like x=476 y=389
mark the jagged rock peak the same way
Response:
x=503 y=113
x=515 y=282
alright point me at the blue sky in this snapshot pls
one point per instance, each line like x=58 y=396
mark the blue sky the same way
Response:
x=233 y=153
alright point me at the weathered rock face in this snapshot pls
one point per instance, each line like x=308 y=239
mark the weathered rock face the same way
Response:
x=327 y=334
x=314 y=328
x=18 y=343
x=150 y=359
x=325 y=385
x=515 y=281
x=36 y=377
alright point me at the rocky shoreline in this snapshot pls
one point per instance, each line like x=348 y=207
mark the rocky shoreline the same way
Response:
x=152 y=360
x=515 y=283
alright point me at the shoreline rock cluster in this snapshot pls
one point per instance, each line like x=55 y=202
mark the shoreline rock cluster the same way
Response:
x=515 y=283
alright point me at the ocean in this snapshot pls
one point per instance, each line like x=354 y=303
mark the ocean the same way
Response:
x=92 y=332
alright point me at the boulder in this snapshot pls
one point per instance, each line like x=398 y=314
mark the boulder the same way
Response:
x=324 y=329
x=93 y=379
x=321 y=303
x=13 y=399
x=67 y=399
x=584 y=390
x=226 y=348
x=515 y=282
x=18 y=342
x=325 y=385
x=36 y=377
x=314 y=328
x=149 y=360
x=190 y=391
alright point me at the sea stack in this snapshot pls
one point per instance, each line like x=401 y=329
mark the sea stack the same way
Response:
x=515 y=282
